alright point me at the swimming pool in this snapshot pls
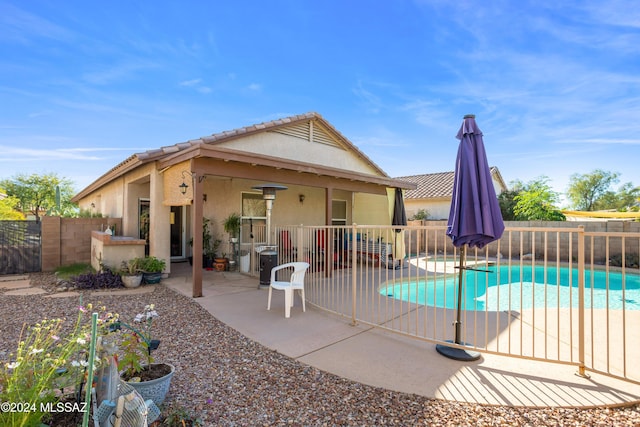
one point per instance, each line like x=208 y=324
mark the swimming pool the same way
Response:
x=510 y=288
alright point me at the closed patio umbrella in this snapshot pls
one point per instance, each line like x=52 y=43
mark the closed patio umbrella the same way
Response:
x=399 y=218
x=474 y=218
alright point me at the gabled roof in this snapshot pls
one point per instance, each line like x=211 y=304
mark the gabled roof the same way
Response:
x=273 y=125
x=439 y=185
x=179 y=152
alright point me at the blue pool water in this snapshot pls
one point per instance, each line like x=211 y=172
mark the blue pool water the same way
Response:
x=508 y=288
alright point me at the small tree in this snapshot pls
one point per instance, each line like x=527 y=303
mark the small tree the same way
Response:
x=536 y=202
x=40 y=193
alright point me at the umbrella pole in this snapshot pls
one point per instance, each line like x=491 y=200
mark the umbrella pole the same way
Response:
x=457 y=353
x=463 y=252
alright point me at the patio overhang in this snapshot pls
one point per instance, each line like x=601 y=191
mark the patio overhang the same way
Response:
x=220 y=161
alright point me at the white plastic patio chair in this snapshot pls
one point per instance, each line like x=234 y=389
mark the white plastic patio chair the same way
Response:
x=296 y=282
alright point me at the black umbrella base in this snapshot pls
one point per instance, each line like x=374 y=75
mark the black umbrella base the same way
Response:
x=457 y=353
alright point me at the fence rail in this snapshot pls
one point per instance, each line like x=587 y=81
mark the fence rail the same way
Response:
x=561 y=295
x=20 y=247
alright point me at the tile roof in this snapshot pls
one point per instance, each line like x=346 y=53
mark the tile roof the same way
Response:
x=430 y=186
x=436 y=185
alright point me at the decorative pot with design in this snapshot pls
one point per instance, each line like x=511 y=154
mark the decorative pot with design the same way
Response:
x=154 y=389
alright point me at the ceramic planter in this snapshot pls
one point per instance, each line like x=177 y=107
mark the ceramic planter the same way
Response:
x=152 y=278
x=132 y=281
x=156 y=389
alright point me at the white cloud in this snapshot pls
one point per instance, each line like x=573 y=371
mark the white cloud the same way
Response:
x=191 y=82
x=197 y=85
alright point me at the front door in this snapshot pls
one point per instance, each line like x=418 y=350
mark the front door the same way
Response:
x=178 y=227
x=143 y=223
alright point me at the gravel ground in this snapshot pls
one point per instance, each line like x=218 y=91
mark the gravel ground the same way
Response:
x=230 y=380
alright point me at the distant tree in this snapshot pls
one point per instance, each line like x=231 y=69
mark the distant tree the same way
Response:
x=536 y=201
x=625 y=199
x=422 y=214
x=591 y=191
x=38 y=193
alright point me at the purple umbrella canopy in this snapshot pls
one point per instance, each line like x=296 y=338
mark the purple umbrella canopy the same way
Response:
x=475 y=218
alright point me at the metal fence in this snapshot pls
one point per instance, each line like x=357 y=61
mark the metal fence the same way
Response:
x=538 y=293
x=20 y=247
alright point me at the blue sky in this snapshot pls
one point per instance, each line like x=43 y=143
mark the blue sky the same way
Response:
x=555 y=85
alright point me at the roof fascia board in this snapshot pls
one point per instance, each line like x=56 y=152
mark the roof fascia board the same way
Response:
x=128 y=165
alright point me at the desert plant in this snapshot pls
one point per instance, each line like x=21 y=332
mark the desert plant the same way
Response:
x=131 y=267
x=137 y=343
x=180 y=417
x=101 y=280
x=152 y=264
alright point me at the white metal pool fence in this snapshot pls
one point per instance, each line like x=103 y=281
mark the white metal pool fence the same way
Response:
x=351 y=265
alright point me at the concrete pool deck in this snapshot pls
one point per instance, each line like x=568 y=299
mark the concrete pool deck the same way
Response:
x=384 y=359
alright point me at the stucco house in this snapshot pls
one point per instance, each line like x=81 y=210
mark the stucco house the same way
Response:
x=163 y=195
x=434 y=191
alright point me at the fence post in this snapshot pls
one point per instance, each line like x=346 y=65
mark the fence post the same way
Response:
x=300 y=243
x=354 y=270
x=581 y=266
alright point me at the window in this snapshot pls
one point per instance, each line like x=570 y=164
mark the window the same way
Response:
x=338 y=212
x=254 y=217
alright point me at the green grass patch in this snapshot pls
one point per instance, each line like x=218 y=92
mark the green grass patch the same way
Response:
x=72 y=270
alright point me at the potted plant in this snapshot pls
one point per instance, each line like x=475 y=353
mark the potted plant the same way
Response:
x=130 y=273
x=151 y=380
x=152 y=269
x=232 y=226
x=221 y=263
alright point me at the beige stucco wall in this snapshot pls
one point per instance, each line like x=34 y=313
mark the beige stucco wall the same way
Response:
x=111 y=251
x=437 y=208
x=173 y=178
x=224 y=196
x=298 y=149
x=371 y=209
x=159 y=220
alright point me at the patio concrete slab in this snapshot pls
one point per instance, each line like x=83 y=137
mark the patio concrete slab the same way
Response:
x=15 y=283
x=66 y=294
x=12 y=277
x=383 y=359
x=26 y=291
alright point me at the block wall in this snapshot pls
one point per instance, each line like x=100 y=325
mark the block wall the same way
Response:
x=68 y=240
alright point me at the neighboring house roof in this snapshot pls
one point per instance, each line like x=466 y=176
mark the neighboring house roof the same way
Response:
x=439 y=185
x=209 y=146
